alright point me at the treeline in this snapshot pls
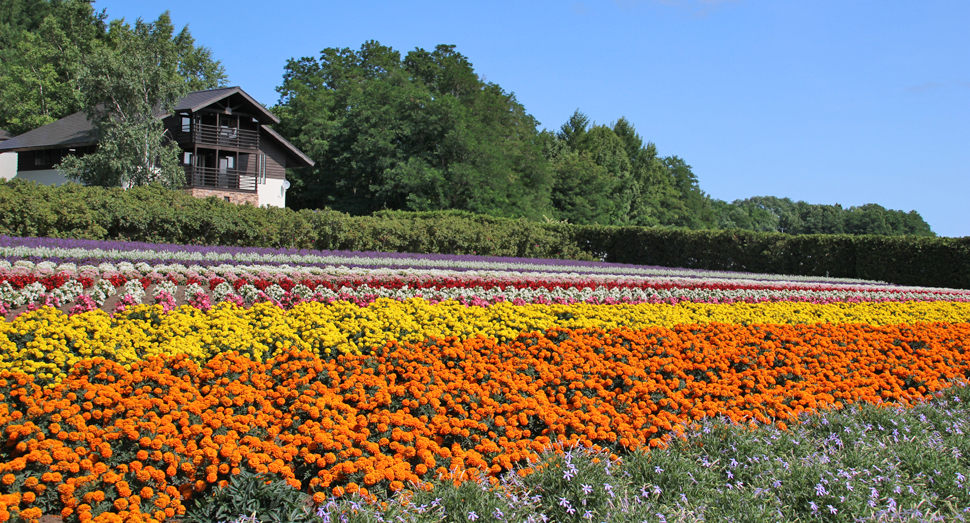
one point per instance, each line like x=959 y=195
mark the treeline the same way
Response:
x=416 y=132
x=770 y=214
x=424 y=132
x=154 y=214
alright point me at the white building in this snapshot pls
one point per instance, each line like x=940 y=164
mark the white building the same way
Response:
x=8 y=161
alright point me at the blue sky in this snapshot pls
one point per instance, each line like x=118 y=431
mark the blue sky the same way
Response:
x=848 y=102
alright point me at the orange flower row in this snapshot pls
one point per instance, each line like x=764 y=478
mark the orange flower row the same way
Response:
x=137 y=444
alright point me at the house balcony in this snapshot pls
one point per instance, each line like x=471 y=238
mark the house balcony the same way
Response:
x=218 y=137
x=224 y=179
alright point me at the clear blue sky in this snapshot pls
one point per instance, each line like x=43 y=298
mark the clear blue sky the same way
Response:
x=826 y=101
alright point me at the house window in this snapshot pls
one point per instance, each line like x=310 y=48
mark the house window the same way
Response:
x=186 y=124
x=226 y=198
x=187 y=158
x=44 y=158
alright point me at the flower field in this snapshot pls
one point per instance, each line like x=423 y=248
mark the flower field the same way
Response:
x=136 y=378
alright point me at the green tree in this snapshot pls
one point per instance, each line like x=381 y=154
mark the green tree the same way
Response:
x=867 y=219
x=126 y=84
x=699 y=210
x=656 y=201
x=572 y=132
x=42 y=44
x=581 y=193
x=914 y=224
x=872 y=218
x=45 y=43
x=821 y=219
x=759 y=213
x=418 y=133
x=607 y=150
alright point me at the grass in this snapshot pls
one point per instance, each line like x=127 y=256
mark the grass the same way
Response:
x=862 y=463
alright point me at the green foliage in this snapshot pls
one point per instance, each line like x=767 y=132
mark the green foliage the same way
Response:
x=125 y=84
x=698 y=213
x=42 y=43
x=258 y=496
x=770 y=214
x=155 y=214
x=420 y=133
x=581 y=192
x=607 y=175
x=45 y=46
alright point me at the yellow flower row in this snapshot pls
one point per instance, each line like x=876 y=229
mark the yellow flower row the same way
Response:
x=47 y=343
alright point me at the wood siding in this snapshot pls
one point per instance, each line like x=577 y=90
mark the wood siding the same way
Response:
x=275 y=160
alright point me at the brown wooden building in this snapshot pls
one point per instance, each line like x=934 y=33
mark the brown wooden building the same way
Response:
x=228 y=148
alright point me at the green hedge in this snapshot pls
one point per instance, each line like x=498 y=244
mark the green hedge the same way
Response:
x=905 y=260
x=153 y=214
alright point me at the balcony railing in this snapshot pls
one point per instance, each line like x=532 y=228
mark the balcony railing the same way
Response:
x=215 y=135
x=220 y=178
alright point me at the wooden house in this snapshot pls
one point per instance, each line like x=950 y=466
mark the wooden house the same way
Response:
x=228 y=148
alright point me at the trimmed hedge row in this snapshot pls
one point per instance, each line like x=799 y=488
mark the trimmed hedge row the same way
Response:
x=905 y=260
x=153 y=214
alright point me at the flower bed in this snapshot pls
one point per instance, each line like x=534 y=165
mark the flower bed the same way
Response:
x=167 y=429
x=371 y=380
x=25 y=285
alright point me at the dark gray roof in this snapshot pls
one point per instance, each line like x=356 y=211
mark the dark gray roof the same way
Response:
x=198 y=99
x=73 y=130
x=4 y=135
x=76 y=130
x=302 y=159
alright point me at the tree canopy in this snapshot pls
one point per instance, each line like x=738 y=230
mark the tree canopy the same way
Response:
x=125 y=84
x=59 y=56
x=44 y=44
x=422 y=132
x=771 y=214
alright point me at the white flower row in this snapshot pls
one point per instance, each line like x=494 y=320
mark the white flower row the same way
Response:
x=380 y=261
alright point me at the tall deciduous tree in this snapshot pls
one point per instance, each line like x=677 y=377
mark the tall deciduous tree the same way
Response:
x=126 y=85
x=418 y=133
x=42 y=44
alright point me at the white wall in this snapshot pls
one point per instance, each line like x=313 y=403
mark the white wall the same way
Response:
x=271 y=193
x=8 y=166
x=44 y=177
